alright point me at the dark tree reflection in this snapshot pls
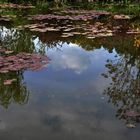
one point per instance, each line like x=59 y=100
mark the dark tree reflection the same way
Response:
x=124 y=90
x=48 y=41
x=14 y=93
x=18 y=41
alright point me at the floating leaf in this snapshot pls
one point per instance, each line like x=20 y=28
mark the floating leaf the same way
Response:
x=131 y=125
x=8 y=52
x=9 y=81
x=21 y=61
x=121 y=17
x=132 y=114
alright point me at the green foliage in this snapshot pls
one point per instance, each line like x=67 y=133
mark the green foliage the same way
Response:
x=132 y=9
x=72 y=1
x=24 y=1
x=15 y=93
x=42 y=7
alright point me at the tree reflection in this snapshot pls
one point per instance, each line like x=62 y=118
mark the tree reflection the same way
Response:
x=14 y=93
x=124 y=90
x=48 y=41
x=18 y=41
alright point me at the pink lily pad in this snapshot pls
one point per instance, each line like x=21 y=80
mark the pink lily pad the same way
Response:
x=132 y=114
x=9 y=82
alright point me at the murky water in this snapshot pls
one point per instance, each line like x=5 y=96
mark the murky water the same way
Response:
x=83 y=93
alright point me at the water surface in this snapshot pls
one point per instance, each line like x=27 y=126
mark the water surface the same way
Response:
x=82 y=93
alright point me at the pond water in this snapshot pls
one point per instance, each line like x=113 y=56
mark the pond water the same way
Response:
x=83 y=93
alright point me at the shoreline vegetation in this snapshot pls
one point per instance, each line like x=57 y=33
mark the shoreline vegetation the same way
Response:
x=111 y=17
x=114 y=13
x=42 y=6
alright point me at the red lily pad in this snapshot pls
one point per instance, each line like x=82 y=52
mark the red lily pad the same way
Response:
x=21 y=61
x=9 y=81
x=132 y=114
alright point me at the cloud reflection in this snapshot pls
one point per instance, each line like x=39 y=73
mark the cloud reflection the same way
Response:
x=72 y=57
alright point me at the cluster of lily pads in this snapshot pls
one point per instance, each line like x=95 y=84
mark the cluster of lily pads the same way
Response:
x=121 y=17
x=14 y=62
x=98 y=29
x=77 y=22
x=83 y=16
x=16 y=6
x=131 y=115
x=96 y=13
x=5 y=18
x=133 y=31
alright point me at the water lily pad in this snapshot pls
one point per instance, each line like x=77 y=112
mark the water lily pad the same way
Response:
x=8 y=52
x=121 y=17
x=21 y=61
x=131 y=125
x=132 y=113
x=9 y=81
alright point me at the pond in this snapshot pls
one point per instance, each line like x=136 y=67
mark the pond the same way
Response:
x=89 y=89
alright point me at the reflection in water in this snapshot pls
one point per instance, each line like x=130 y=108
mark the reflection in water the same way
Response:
x=124 y=90
x=71 y=58
x=14 y=93
x=67 y=100
x=18 y=41
x=17 y=91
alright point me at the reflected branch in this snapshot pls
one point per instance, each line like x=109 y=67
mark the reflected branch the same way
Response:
x=124 y=90
x=14 y=93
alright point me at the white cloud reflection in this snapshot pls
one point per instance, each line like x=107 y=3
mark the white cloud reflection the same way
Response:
x=71 y=57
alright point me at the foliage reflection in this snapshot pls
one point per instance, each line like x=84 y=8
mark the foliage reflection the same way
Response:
x=124 y=90
x=123 y=69
x=14 y=93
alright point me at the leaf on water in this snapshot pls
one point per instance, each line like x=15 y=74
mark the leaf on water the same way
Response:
x=87 y=15
x=132 y=113
x=67 y=35
x=133 y=31
x=68 y=29
x=21 y=61
x=131 y=125
x=8 y=52
x=16 y=6
x=44 y=29
x=121 y=17
x=6 y=19
x=90 y=37
x=64 y=36
x=38 y=30
x=76 y=33
x=9 y=81
x=3 y=71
